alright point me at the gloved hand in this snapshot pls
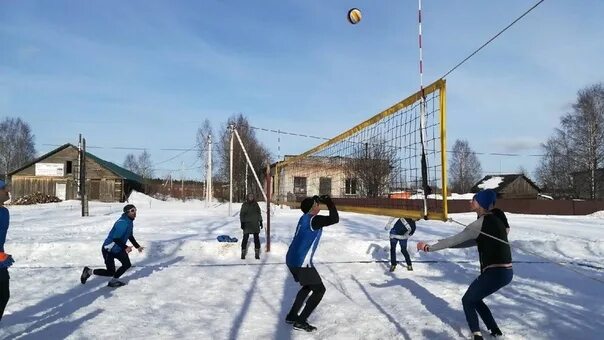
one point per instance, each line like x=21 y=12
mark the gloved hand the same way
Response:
x=6 y=260
x=324 y=198
x=423 y=246
x=261 y=226
x=316 y=199
x=242 y=226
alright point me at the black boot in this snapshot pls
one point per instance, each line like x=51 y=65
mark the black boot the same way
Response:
x=495 y=332
x=257 y=253
x=243 y=253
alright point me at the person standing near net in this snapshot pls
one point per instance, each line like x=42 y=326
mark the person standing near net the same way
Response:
x=6 y=260
x=488 y=233
x=251 y=223
x=299 y=259
x=115 y=247
x=400 y=232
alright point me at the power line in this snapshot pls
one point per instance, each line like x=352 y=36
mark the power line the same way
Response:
x=493 y=38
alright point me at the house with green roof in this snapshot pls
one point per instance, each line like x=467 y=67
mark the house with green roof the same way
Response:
x=57 y=173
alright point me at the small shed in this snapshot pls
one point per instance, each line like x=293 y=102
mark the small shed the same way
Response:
x=510 y=186
x=57 y=173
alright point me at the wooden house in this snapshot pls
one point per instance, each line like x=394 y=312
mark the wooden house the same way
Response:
x=511 y=186
x=56 y=173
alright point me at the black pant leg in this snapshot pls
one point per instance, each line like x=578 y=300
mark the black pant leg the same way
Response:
x=125 y=260
x=109 y=264
x=299 y=301
x=246 y=236
x=4 y=295
x=316 y=296
x=257 y=240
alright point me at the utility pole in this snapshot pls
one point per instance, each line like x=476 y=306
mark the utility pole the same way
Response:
x=232 y=128
x=182 y=180
x=83 y=193
x=268 y=207
x=209 y=173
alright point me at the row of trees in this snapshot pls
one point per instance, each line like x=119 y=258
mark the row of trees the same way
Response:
x=575 y=151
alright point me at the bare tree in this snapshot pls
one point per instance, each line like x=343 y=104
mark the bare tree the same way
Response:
x=258 y=153
x=554 y=172
x=522 y=170
x=464 y=167
x=140 y=165
x=203 y=133
x=372 y=163
x=130 y=163
x=17 y=145
x=577 y=146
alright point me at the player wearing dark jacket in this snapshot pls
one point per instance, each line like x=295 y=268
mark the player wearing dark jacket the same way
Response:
x=115 y=247
x=251 y=223
x=489 y=234
x=400 y=232
x=299 y=259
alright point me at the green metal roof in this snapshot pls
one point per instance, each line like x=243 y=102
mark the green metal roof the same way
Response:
x=116 y=169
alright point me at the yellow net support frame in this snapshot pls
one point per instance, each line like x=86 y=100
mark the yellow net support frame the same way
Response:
x=375 y=167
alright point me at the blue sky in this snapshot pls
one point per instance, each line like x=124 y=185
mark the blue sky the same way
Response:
x=145 y=74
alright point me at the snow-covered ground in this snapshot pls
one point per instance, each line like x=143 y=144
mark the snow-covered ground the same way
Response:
x=186 y=285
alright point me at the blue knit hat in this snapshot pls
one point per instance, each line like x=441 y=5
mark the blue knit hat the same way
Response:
x=486 y=198
x=2 y=185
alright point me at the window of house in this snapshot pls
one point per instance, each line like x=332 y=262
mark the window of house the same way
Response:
x=300 y=185
x=68 y=168
x=324 y=186
x=351 y=186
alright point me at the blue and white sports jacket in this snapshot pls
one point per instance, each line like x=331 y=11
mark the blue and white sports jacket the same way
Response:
x=119 y=234
x=305 y=242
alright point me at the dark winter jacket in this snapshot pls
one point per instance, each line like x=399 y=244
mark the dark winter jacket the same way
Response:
x=488 y=233
x=402 y=228
x=501 y=215
x=251 y=217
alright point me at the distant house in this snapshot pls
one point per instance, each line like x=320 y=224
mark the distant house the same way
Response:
x=583 y=185
x=508 y=186
x=57 y=173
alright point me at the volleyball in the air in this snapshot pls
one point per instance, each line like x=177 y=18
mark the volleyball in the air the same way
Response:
x=354 y=16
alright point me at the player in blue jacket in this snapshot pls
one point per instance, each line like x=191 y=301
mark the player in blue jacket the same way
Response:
x=6 y=260
x=300 y=256
x=115 y=247
x=400 y=232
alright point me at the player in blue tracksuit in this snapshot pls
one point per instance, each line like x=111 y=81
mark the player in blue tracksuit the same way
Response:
x=402 y=229
x=6 y=260
x=115 y=247
x=300 y=255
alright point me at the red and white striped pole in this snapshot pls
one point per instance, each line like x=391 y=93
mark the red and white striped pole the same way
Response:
x=422 y=117
x=421 y=56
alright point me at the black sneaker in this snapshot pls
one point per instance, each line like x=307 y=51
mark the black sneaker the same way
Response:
x=410 y=268
x=116 y=283
x=304 y=326
x=392 y=267
x=478 y=337
x=496 y=332
x=86 y=273
x=290 y=319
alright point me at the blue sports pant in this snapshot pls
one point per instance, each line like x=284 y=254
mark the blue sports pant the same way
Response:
x=403 y=243
x=487 y=283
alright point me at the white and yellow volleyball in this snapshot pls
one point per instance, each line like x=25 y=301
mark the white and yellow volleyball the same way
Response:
x=354 y=16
